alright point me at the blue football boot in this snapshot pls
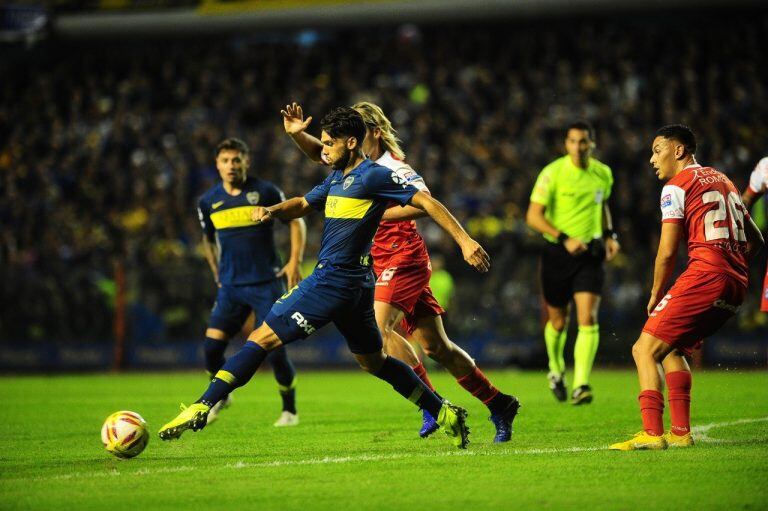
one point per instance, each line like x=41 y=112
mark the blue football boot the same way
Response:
x=428 y=426
x=503 y=421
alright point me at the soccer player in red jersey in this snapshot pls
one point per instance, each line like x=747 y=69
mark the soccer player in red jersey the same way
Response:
x=702 y=205
x=758 y=184
x=402 y=267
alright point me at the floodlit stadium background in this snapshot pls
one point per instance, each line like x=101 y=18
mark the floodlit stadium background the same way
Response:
x=110 y=111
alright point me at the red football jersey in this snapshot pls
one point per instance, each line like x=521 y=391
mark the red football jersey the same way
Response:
x=705 y=201
x=398 y=237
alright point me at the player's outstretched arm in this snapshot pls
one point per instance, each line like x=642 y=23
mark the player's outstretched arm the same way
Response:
x=473 y=253
x=748 y=197
x=396 y=214
x=292 y=269
x=755 y=241
x=296 y=207
x=671 y=233
x=295 y=126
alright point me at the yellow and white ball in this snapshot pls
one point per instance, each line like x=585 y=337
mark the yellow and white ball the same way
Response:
x=125 y=434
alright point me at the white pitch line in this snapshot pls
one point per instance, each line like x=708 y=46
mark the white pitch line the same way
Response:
x=700 y=433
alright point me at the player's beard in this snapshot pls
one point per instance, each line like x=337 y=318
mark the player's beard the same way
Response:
x=343 y=161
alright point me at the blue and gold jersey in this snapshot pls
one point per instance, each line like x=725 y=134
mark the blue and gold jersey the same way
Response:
x=247 y=253
x=353 y=206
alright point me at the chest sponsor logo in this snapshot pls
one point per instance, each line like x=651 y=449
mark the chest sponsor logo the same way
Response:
x=233 y=217
x=252 y=197
x=217 y=204
x=348 y=182
x=346 y=207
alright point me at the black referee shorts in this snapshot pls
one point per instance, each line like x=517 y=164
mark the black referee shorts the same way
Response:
x=562 y=274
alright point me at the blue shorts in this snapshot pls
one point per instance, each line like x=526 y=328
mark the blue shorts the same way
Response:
x=315 y=302
x=234 y=303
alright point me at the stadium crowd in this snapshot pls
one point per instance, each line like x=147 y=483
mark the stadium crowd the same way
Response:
x=106 y=146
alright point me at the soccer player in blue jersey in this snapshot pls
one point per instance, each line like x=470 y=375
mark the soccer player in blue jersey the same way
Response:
x=245 y=265
x=340 y=290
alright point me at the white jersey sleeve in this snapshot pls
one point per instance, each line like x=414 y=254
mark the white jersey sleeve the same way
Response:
x=758 y=180
x=404 y=172
x=672 y=204
x=409 y=176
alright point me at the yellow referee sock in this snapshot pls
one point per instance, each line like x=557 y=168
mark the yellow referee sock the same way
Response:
x=555 y=341
x=584 y=354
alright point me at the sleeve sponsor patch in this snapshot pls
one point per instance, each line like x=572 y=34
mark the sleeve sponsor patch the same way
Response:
x=672 y=202
x=405 y=175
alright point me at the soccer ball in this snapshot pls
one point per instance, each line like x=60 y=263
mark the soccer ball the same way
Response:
x=124 y=434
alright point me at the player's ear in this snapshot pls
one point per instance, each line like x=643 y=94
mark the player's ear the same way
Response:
x=352 y=143
x=376 y=132
x=679 y=151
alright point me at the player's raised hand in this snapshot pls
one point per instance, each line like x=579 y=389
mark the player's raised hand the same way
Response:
x=475 y=255
x=261 y=215
x=574 y=246
x=293 y=119
x=292 y=273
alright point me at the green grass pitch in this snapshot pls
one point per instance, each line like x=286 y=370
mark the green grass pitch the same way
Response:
x=357 y=448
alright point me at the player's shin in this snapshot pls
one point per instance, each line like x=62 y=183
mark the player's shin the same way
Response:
x=421 y=372
x=477 y=384
x=285 y=374
x=407 y=384
x=555 y=341
x=679 y=395
x=214 y=354
x=584 y=352
x=237 y=371
x=652 y=410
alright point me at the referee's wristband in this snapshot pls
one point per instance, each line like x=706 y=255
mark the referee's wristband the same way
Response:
x=610 y=233
x=562 y=237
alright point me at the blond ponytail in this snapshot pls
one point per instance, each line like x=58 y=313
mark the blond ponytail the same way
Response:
x=374 y=117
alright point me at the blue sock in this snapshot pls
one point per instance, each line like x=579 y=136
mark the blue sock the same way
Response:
x=285 y=375
x=214 y=355
x=407 y=384
x=237 y=371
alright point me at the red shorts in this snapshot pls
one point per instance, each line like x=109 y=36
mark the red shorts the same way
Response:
x=764 y=302
x=407 y=288
x=695 y=307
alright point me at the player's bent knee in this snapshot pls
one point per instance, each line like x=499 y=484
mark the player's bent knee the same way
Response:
x=557 y=318
x=557 y=323
x=265 y=337
x=371 y=362
x=648 y=346
x=588 y=321
x=436 y=350
x=215 y=333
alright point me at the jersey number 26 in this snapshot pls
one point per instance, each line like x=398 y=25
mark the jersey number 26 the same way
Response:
x=736 y=213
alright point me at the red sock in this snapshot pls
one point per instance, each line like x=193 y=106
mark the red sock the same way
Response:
x=478 y=385
x=421 y=372
x=652 y=410
x=679 y=395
